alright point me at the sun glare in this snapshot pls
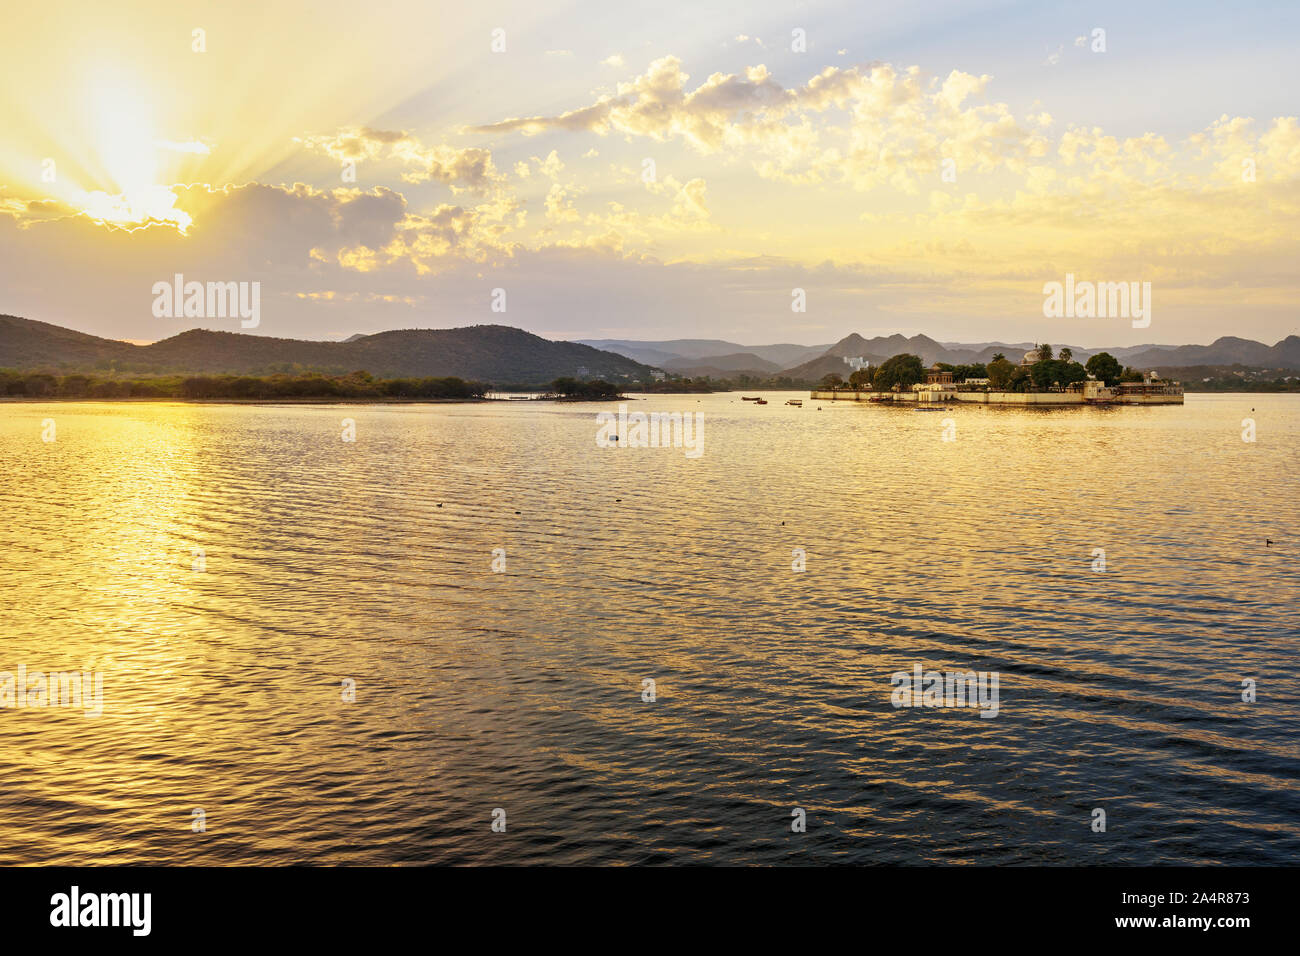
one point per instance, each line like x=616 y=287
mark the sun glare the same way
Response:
x=127 y=151
x=124 y=135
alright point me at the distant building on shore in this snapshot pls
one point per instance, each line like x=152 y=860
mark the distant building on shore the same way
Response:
x=935 y=375
x=1150 y=390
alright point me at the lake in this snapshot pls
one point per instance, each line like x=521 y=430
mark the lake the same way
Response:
x=308 y=656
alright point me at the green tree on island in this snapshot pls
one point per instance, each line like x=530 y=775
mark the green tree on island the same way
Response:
x=962 y=372
x=1000 y=371
x=1105 y=367
x=1051 y=372
x=902 y=370
x=1072 y=372
x=832 y=380
x=861 y=378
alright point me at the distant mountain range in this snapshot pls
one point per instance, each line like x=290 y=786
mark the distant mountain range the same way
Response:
x=1228 y=350
x=500 y=354
x=677 y=353
x=693 y=356
x=487 y=353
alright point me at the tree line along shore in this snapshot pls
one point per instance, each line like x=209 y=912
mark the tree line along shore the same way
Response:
x=44 y=386
x=355 y=386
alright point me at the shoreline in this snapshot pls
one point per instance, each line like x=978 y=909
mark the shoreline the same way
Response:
x=149 y=399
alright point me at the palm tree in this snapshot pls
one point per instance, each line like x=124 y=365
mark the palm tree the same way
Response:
x=1066 y=354
x=1044 y=352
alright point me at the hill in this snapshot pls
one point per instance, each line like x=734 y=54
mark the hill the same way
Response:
x=707 y=351
x=490 y=353
x=814 y=370
x=27 y=344
x=734 y=362
x=1227 y=350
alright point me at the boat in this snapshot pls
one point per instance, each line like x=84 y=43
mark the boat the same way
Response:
x=750 y=398
x=930 y=408
x=760 y=401
x=795 y=402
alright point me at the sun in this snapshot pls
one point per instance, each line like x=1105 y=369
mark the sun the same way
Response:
x=126 y=152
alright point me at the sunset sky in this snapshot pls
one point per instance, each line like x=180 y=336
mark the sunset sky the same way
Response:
x=774 y=168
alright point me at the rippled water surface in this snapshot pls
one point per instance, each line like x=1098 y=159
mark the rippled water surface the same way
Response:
x=371 y=561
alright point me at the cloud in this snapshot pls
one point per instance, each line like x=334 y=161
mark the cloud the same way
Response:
x=559 y=203
x=354 y=144
x=470 y=167
x=657 y=105
x=551 y=166
x=864 y=125
x=458 y=167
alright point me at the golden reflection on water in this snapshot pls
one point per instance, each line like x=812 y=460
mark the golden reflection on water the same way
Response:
x=322 y=559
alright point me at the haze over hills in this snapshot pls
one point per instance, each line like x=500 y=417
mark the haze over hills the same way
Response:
x=693 y=357
x=734 y=360
x=673 y=351
x=489 y=353
x=1227 y=350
